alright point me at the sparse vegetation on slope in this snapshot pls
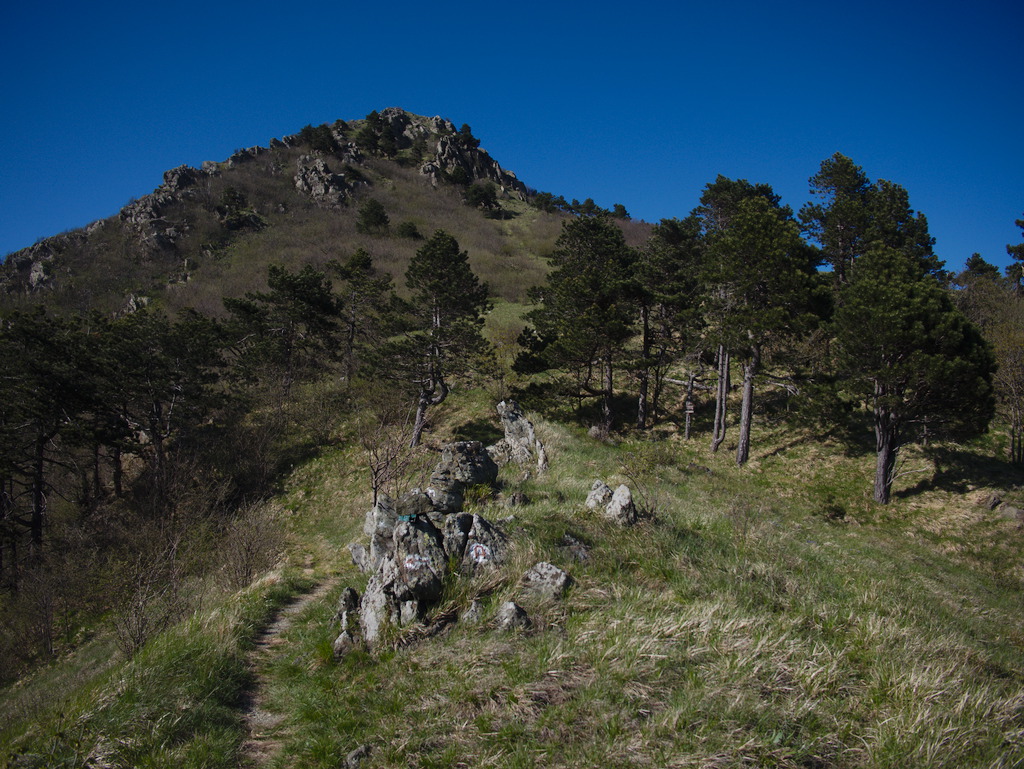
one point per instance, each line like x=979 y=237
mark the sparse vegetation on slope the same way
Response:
x=177 y=478
x=768 y=617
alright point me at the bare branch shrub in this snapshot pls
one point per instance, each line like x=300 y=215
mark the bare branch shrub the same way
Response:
x=384 y=435
x=253 y=542
x=150 y=597
x=641 y=465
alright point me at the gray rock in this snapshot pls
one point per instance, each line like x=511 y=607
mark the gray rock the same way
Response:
x=546 y=580
x=378 y=606
x=357 y=756
x=456 y=533
x=379 y=526
x=181 y=177
x=600 y=495
x=344 y=643
x=486 y=546
x=462 y=464
x=520 y=444
x=313 y=177
x=360 y=558
x=1010 y=512
x=621 y=509
x=473 y=614
x=348 y=601
x=408 y=578
x=512 y=616
x=414 y=503
x=420 y=559
x=517 y=499
x=408 y=612
x=478 y=165
x=577 y=549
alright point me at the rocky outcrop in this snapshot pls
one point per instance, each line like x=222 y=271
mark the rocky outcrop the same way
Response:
x=451 y=153
x=148 y=216
x=520 y=444
x=410 y=556
x=178 y=179
x=32 y=268
x=245 y=155
x=314 y=178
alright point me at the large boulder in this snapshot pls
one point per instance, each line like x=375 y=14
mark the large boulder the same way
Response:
x=408 y=578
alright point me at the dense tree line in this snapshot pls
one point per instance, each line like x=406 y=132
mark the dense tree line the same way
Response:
x=876 y=336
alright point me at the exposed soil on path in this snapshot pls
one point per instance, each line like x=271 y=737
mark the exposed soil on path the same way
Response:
x=262 y=744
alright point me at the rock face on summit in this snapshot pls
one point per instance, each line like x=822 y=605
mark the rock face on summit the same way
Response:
x=313 y=177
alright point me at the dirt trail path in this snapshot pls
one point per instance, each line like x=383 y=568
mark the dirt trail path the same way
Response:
x=262 y=744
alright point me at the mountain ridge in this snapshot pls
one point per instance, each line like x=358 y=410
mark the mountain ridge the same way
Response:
x=197 y=211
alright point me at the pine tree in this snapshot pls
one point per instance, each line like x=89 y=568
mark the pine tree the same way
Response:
x=441 y=331
x=910 y=356
x=839 y=223
x=289 y=328
x=763 y=277
x=588 y=308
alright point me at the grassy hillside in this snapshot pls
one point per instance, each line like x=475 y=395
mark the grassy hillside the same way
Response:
x=770 y=616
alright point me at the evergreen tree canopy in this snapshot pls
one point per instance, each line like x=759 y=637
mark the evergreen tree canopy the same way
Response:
x=289 y=327
x=839 y=223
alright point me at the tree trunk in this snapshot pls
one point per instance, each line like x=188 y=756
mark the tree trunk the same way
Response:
x=723 y=391
x=750 y=369
x=886 y=447
x=38 y=496
x=427 y=399
x=118 y=472
x=688 y=404
x=607 y=407
x=645 y=369
x=421 y=419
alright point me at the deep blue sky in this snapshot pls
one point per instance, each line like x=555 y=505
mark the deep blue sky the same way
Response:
x=637 y=103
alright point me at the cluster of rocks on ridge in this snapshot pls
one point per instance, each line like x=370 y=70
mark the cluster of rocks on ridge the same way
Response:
x=414 y=541
x=996 y=503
